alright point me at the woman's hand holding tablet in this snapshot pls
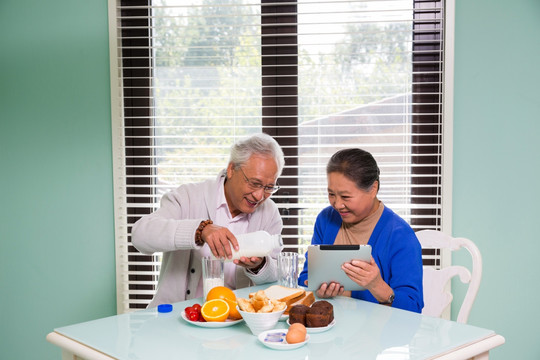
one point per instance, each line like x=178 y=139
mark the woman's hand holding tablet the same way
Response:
x=325 y=266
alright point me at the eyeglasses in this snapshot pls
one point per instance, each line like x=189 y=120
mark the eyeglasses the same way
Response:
x=256 y=185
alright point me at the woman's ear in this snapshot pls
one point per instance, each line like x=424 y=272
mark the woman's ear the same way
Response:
x=375 y=188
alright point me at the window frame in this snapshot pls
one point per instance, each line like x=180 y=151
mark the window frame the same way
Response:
x=271 y=118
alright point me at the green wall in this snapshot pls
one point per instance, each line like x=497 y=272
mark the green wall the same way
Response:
x=56 y=218
x=496 y=194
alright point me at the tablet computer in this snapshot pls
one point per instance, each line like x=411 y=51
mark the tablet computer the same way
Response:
x=324 y=264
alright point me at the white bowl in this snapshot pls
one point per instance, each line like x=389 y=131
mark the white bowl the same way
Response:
x=259 y=322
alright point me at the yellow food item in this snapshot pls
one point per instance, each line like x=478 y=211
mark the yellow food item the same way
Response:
x=289 y=296
x=296 y=334
x=245 y=305
x=278 y=305
x=215 y=310
x=260 y=303
x=224 y=293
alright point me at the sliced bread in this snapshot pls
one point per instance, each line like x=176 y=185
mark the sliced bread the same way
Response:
x=307 y=299
x=283 y=294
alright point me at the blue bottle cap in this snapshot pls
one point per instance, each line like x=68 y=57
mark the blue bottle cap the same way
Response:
x=164 y=308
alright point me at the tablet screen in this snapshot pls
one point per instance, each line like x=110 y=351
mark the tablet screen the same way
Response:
x=324 y=264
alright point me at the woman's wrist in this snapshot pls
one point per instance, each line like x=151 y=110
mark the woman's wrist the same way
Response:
x=382 y=292
x=388 y=300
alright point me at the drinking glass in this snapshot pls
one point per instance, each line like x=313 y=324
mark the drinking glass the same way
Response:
x=212 y=272
x=288 y=269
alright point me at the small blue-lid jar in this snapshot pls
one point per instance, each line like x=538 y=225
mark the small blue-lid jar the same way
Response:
x=164 y=308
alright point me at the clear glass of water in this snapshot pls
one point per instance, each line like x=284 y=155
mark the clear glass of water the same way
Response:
x=288 y=269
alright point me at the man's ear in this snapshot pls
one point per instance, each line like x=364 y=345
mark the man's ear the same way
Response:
x=230 y=168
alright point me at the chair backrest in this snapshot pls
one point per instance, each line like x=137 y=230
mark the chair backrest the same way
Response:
x=437 y=293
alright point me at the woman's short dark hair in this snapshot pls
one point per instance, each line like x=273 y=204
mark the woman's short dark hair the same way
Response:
x=357 y=165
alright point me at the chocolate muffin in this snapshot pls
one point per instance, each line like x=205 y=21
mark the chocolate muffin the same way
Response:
x=325 y=305
x=297 y=314
x=317 y=317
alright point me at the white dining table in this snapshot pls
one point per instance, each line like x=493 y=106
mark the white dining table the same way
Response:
x=362 y=330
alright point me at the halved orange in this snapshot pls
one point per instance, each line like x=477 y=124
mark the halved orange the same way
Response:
x=215 y=310
x=224 y=293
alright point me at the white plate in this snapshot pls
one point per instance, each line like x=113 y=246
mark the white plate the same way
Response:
x=212 y=324
x=314 y=330
x=282 y=345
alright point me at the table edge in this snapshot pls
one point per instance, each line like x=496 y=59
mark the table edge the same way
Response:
x=75 y=347
x=473 y=349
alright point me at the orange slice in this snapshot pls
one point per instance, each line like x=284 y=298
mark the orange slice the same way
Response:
x=215 y=310
x=224 y=293
x=233 y=313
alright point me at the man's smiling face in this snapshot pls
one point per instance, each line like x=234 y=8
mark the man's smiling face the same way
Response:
x=241 y=196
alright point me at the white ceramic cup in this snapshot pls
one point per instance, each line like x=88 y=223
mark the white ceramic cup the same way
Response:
x=212 y=272
x=288 y=269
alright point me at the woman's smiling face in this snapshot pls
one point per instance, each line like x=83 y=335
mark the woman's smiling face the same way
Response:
x=352 y=203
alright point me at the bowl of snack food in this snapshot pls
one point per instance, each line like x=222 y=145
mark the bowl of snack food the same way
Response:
x=260 y=313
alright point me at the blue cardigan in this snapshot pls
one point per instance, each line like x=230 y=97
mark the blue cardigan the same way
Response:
x=396 y=251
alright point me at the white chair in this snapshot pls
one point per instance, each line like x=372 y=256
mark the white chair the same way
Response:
x=437 y=290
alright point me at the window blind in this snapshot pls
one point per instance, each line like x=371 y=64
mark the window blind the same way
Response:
x=189 y=78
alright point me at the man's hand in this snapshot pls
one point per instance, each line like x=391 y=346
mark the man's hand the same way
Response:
x=219 y=239
x=251 y=263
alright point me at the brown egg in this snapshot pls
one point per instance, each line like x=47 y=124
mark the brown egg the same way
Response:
x=296 y=334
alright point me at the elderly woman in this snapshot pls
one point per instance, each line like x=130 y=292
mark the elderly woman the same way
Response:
x=355 y=216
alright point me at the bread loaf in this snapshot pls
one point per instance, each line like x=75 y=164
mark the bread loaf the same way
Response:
x=326 y=306
x=320 y=314
x=298 y=314
x=307 y=299
x=317 y=317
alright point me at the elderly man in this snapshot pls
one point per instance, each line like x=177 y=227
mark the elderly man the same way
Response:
x=198 y=219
